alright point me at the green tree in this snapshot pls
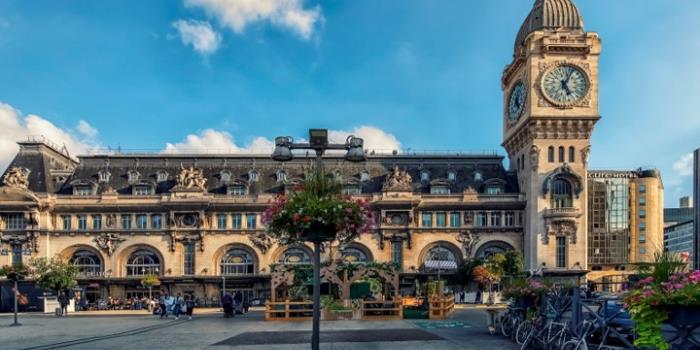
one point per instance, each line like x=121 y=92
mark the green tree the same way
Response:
x=465 y=273
x=54 y=274
x=512 y=264
x=150 y=280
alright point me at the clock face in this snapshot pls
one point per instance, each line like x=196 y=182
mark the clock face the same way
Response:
x=565 y=84
x=516 y=102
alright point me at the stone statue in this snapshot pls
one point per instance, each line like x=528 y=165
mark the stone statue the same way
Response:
x=398 y=181
x=534 y=157
x=111 y=220
x=469 y=241
x=191 y=178
x=585 y=154
x=17 y=177
x=109 y=242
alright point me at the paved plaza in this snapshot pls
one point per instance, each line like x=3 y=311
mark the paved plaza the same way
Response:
x=466 y=329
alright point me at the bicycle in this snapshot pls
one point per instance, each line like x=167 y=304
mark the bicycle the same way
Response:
x=510 y=320
x=550 y=334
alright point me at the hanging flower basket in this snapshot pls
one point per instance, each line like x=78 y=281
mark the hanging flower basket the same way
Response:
x=316 y=211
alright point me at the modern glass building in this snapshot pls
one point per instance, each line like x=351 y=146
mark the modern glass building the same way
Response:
x=608 y=221
x=679 y=238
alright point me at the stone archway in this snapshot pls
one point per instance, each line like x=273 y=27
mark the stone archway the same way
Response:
x=492 y=247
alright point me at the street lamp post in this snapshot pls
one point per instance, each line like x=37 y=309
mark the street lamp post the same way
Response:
x=318 y=142
x=16 y=293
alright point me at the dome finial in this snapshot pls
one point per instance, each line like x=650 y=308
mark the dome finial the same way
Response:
x=550 y=14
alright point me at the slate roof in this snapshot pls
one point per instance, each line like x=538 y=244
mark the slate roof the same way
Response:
x=240 y=166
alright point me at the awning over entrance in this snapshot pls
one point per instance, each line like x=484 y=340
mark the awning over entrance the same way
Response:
x=444 y=265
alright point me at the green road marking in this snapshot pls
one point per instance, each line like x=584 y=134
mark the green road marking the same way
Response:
x=442 y=324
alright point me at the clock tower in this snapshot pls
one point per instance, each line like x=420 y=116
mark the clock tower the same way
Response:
x=550 y=107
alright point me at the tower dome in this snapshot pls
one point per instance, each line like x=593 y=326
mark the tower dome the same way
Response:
x=550 y=14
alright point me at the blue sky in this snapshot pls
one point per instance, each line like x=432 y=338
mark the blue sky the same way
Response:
x=214 y=74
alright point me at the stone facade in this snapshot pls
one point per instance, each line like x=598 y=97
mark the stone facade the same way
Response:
x=195 y=220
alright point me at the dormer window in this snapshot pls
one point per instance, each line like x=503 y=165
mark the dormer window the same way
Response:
x=493 y=189
x=338 y=176
x=424 y=176
x=236 y=190
x=451 y=175
x=281 y=176
x=82 y=190
x=142 y=190
x=225 y=176
x=162 y=176
x=478 y=176
x=364 y=176
x=439 y=189
x=104 y=175
x=133 y=176
x=253 y=176
x=352 y=190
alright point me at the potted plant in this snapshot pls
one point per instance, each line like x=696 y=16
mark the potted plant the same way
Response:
x=666 y=294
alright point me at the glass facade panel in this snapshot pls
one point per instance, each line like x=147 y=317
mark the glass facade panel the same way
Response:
x=251 y=220
x=126 y=221
x=221 y=221
x=142 y=221
x=427 y=220
x=142 y=262
x=441 y=219
x=189 y=259
x=455 y=219
x=66 y=222
x=397 y=253
x=16 y=222
x=608 y=220
x=156 y=221
x=237 y=261
x=97 y=222
x=561 y=252
x=82 y=222
x=236 y=218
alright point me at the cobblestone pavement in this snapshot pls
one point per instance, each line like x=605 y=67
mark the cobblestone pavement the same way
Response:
x=129 y=330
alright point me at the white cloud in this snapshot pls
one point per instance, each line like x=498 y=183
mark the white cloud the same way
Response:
x=198 y=34
x=375 y=139
x=285 y=14
x=15 y=127
x=213 y=141
x=86 y=129
x=684 y=165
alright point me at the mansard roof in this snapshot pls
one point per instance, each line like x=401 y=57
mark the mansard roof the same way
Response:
x=550 y=14
x=239 y=166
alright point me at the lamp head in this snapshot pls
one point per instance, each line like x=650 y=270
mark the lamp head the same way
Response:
x=283 y=151
x=355 y=151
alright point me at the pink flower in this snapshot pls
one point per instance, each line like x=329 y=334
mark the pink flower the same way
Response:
x=647 y=280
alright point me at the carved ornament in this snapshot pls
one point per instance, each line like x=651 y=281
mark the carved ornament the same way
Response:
x=191 y=179
x=398 y=181
x=17 y=177
x=261 y=241
x=109 y=242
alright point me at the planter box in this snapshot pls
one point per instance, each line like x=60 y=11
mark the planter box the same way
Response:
x=684 y=315
x=337 y=315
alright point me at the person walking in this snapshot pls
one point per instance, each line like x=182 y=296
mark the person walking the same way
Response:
x=227 y=304
x=177 y=306
x=63 y=302
x=238 y=301
x=189 y=306
x=161 y=303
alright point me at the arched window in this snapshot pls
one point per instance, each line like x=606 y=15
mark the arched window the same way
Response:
x=572 y=154
x=424 y=176
x=561 y=154
x=561 y=194
x=354 y=255
x=143 y=262
x=550 y=154
x=295 y=256
x=522 y=162
x=87 y=262
x=237 y=261
x=440 y=253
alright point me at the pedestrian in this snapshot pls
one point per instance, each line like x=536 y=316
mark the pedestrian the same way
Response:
x=461 y=297
x=63 y=302
x=177 y=306
x=238 y=300
x=189 y=305
x=227 y=304
x=161 y=303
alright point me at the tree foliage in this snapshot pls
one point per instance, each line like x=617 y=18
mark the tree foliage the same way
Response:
x=150 y=280
x=54 y=274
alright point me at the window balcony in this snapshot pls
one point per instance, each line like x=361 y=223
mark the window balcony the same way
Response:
x=557 y=213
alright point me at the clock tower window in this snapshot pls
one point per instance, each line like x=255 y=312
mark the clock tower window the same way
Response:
x=562 y=194
x=550 y=154
x=561 y=154
x=572 y=154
